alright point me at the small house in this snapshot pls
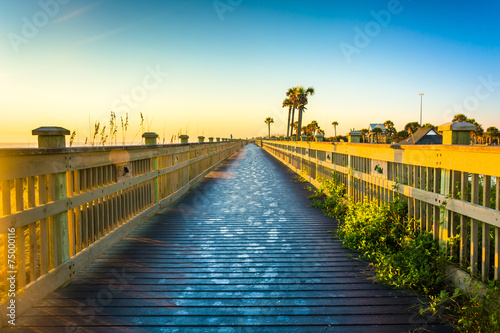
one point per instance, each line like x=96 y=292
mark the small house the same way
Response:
x=423 y=136
x=377 y=132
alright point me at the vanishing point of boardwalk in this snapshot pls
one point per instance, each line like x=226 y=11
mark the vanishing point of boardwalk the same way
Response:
x=242 y=252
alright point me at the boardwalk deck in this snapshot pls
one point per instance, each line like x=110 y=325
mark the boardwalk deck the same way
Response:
x=242 y=252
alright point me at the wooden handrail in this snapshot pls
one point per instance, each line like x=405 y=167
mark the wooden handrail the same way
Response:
x=434 y=180
x=102 y=195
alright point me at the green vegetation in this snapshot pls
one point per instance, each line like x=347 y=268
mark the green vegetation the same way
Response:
x=405 y=258
x=335 y=124
x=269 y=121
x=297 y=98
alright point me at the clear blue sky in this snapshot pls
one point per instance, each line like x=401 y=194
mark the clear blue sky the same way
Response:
x=217 y=68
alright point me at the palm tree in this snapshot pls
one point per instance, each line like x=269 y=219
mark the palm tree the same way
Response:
x=335 y=124
x=288 y=102
x=391 y=130
x=292 y=96
x=365 y=132
x=491 y=134
x=377 y=131
x=295 y=125
x=302 y=102
x=412 y=127
x=459 y=118
x=314 y=127
x=429 y=125
x=478 y=134
x=269 y=121
x=401 y=135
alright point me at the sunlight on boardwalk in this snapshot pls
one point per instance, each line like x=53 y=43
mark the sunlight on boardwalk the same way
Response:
x=243 y=251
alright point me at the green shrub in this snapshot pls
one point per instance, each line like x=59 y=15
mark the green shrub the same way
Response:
x=404 y=258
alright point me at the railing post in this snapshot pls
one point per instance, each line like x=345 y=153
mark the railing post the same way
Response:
x=184 y=138
x=150 y=139
x=210 y=139
x=320 y=137
x=201 y=139
x=458 y=133
x=218 y=139
x=54 y=137
x=303 y=138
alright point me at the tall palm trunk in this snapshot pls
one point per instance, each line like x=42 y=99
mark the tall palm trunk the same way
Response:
x=269 y=130
x=288 y=124
x=293 y=117
x=299 y=128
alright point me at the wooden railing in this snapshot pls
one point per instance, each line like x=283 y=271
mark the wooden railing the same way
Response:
x=62 y=207
x=451 y=191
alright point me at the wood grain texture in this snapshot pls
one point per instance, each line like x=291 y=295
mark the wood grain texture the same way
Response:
x=242 y=251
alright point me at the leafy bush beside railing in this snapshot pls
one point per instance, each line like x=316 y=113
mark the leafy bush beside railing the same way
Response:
x=406 y=258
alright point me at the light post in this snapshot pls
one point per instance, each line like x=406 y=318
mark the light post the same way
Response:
x=421 y=94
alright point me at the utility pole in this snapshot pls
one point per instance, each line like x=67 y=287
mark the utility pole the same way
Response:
x=421 y=94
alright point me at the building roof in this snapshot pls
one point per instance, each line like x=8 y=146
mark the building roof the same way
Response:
x=373 y=126
x=423 y=136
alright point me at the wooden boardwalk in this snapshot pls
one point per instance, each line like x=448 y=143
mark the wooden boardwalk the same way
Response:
x=242 y=252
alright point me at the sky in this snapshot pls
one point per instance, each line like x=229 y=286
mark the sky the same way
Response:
x=219 y=68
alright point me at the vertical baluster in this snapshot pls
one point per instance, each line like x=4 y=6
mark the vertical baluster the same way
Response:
x=71 y=213
x=120 y=208
x=428 y=207
x=44 y=248
x=464 y=196
x=455 y=184
x=474 y=246
x=91 y=213
x=97 y=206
x=485 y=262
x=78 y=214
x=126 y=205
x=6 y=210
x=423 y=221
x=111 y=216
x=409 y=181
x=32 y=231
x=20 y=239
x=50 y=184
x=102 y=206
x=416 y=203
x=85 y=211
x=108 y=207
x=436 y=209
x=497 y=232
